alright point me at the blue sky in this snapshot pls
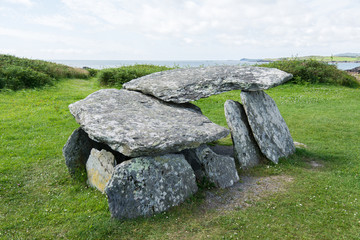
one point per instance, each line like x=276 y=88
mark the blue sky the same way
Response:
x=177 y=30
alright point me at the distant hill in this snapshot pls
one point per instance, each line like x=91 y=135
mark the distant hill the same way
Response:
x=347 y=55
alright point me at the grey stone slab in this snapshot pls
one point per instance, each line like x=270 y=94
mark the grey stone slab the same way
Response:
x=246 y=150
x=219 y=169
x=268 y=126
x=135 y=124
x=189 y=84
x=99 y=168
x=147 y=185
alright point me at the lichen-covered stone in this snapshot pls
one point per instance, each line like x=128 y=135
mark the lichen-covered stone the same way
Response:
x=99 y=167
x=216 y=168
x=268 y=126
x=246 y=150
x=147 y=185
x=135 y=124
x=189 y=84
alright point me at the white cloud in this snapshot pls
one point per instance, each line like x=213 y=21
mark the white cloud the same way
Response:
x=23 y=2
x=193 y=27
x=58 y=21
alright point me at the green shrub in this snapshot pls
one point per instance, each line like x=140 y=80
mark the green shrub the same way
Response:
x=16 y=77
x=17 y=73
x=312 y=71
x=118 y=76
x=92 y=72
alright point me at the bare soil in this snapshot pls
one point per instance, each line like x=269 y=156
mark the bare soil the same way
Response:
x=244 y=193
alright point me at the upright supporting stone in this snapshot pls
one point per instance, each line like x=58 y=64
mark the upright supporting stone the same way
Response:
x=77 y=150
x=246 y=150
x=218 y=169
x=99 y=167
x=268 y=126
x=144 y=186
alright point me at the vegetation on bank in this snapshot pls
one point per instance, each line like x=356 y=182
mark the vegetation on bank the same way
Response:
x=39 y=199
x=321 y=58
x=19 y=73
x=310 y=71
x=116 y=77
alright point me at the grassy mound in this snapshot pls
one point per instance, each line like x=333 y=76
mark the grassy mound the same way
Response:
x=312 y=71
x=118 y=76
x=18 y=73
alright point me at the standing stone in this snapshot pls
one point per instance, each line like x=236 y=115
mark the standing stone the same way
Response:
x=189 y=84
x=268 y=126
x=76 y=151
x=246 y=150
x=144 y=186
x=136 y=125
x=99 y=168
x=219 y=169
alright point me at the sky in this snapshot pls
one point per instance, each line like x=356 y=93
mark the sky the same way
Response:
x=177 y=30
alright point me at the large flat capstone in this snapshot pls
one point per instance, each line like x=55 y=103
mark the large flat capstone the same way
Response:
x=246 y=150
x=136 y=125
x=268 y=126
x=147 y=185
x=189 y=84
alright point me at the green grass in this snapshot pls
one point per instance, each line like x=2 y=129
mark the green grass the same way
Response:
x=39 y=200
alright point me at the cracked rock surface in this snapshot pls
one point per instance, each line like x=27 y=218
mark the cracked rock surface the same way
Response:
x=147 y=185
x=136 y=125
x=189 y=84
x=268 y=126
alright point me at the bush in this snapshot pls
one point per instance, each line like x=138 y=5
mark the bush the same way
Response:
x=17 y=73
x=312 y=71
x=15 y=78
x=118 y=76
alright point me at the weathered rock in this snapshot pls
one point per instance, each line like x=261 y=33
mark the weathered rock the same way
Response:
x=189 y=84
x=99 y=167
x=135 y=124
x=147 y=185
x=268 y=126
x=246 y=150
x=219 y=169
x=77 y=150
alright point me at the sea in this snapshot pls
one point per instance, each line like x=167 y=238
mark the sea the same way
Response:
x=101 y=64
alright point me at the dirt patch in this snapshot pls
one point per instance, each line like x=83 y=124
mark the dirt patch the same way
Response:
x=244 y=193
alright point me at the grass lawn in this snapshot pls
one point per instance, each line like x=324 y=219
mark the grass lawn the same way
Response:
x=39 y=200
